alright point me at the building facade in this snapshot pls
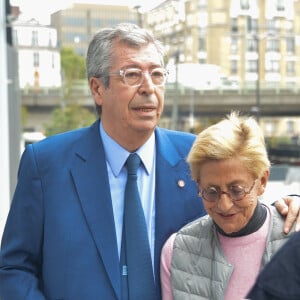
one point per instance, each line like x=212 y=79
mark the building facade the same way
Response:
x=77 y=24
x=38 y=55
x=250 y=40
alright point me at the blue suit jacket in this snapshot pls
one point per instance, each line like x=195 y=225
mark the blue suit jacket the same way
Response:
x=60 y=241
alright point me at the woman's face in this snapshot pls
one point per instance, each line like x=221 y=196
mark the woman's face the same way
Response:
x=226 y=175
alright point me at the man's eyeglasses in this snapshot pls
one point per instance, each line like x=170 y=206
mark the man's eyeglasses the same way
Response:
x=235 y=193
x=134 y=77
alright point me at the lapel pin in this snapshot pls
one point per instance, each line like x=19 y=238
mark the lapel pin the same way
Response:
x=181 y=183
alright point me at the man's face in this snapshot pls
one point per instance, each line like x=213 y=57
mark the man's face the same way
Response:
x=130 y=114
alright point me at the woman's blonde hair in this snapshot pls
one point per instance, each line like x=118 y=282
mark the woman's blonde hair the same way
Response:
x=233 y=137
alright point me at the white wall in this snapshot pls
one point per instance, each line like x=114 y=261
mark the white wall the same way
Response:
x=32 y=38
x=4 y=130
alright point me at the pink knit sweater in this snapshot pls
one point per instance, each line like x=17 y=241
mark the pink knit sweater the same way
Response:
x=244 y=253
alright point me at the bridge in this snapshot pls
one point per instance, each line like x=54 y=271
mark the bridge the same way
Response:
x=181 y=102
x=272 y=102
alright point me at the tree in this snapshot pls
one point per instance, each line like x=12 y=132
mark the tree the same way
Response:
x=73 y=69
x=70 y=115
x=24 y=116
x=68 y=118
x=72 y=64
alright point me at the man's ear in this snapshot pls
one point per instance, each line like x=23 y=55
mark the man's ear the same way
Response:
x=97 y=88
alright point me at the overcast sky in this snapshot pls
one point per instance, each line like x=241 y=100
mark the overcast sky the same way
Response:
x=41 y=10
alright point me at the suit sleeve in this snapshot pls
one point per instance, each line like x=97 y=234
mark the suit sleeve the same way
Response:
x=21 y=248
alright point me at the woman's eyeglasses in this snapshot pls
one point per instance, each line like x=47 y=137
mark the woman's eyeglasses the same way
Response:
x=235 y=193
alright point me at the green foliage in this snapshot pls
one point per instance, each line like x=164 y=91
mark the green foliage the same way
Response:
x=276 y=141
x=24 y=116
x=68 y=118
x=205 y=122
x=72 y=64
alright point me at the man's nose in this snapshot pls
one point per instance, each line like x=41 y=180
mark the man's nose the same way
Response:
x=147 y=85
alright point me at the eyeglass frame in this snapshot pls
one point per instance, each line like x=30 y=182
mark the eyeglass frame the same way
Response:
x=122 y=73
x=220 y=193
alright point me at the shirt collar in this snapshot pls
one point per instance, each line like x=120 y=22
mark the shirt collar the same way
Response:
x=116 y=155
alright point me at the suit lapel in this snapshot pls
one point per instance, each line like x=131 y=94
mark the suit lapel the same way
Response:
x=90 y=176
x=173 y=184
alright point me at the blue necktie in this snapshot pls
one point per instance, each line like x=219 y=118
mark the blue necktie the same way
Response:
x=136 y=264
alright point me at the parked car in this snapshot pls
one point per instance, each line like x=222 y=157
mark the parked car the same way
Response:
x=29 y=138
x=284 y=180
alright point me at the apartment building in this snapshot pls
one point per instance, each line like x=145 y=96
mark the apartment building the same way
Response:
x=250 y=40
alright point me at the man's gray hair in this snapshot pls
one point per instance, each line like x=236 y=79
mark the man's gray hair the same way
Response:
x=100 y=50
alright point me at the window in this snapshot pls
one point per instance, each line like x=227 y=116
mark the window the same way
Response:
x=97 y=23
x=75 y=21
x=34 y=38
x=290 y=45
x=273 y=45
x=202 y=44
x=36 y=59
x=272 y=66
x=252 y=24
x=244 y=4
x=74 y=37
x=53 y=61
x=252 y=45
x=290 y=68
x=233 y=67
x=202 y=3
x=290 y=127
x=15 y=37
x=234 y=45
x=280 y=5
x=51 y=40
x=271 y=25
x=234 y=25
x=251 y=66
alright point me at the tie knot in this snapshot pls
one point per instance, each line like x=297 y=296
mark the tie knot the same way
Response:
x=132 y=163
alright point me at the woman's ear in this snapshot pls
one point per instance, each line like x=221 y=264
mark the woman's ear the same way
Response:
x=263 y=182
x=96 y=87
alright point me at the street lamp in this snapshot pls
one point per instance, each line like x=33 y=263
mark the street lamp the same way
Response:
x=139 y=15
x=258 y=38
x=192 y=113
x=175 y=97
x=256 y=108
x=257 y=90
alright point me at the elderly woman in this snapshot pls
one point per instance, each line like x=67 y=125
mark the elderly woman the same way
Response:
x=219 y=256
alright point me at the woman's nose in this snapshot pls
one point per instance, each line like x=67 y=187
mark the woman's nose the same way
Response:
x=225 y=202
